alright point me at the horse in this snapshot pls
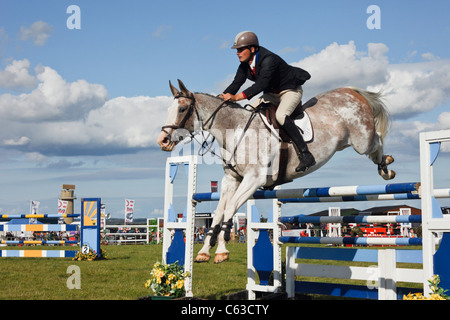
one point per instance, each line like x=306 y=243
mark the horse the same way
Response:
x=341 y=118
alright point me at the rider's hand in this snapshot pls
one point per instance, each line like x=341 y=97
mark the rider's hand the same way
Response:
x=227 y=96
x=232 y=97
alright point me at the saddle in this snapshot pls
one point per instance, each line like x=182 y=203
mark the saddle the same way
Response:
x=268 y=117
x=300 y=118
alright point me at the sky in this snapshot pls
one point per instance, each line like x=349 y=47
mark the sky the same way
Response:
x=84 y=90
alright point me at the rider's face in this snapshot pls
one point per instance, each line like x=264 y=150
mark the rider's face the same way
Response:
x=244 y=54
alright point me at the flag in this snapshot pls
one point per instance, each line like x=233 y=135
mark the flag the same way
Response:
x=62 y=206
x=129 y=209
x=103 y=216
x=62 y=209
x=213 y=186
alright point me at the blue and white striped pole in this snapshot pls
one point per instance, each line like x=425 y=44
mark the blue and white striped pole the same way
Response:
x=374 y=241
x=351 y=219
x=410 y=189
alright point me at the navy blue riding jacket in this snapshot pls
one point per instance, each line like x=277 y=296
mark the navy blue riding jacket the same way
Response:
x=272 y=74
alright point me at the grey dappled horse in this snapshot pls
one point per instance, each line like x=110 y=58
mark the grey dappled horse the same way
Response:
x=341 y=118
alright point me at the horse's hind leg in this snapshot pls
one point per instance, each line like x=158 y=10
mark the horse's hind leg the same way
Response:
x=381 y=159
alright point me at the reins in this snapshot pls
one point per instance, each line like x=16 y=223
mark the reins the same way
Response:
x=211 y=118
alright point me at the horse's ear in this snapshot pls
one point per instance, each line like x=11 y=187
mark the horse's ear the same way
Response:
x=183 y=88
x=173 y=89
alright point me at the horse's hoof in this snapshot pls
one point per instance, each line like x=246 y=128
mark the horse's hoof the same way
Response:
x=388 y=159
x=387 y=176
x=221 y=257
x=202 y=257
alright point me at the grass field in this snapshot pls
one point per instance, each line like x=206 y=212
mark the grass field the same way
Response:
x=120 y=277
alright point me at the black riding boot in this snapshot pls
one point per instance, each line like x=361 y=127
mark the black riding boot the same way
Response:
x=306 y=158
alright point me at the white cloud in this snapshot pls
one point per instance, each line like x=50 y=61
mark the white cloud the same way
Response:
x=416 y=88
x=162 y=31
x=17 y=142
x=428 y=56
x=408 y=89
x=60 y=117
x=17 y=75
x=53 y=98
x=288 y=50
x=38 y=32
x=35 y=157
x=129 y=122
x=342 y=65
x=120 y=125
x=225 y=45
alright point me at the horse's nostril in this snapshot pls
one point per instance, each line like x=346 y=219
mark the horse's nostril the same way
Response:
x=166 y=140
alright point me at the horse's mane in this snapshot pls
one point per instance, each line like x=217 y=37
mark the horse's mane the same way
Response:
x=230 y=104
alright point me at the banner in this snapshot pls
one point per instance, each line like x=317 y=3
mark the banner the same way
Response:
x=62 y=209
x=62 y=206
x=103 y=216
x=34 y=209
x=129 y=209
x=213 y=186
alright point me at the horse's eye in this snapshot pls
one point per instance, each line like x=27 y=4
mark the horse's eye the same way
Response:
x=182 y=109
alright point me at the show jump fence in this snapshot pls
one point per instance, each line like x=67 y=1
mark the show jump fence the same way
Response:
x=89 y=232
x=264 y=258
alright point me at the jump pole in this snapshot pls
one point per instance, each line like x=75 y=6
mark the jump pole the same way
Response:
x=342 y=191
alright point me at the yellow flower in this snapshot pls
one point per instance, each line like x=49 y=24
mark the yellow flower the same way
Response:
x=160 y=273
x=180 y=284
x=414 y=296
x=171 y=277
x=435 y=296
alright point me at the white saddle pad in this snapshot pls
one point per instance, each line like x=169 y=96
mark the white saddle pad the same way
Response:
x=304 y=124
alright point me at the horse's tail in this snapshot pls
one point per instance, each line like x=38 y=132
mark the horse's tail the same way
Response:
x=381 y=115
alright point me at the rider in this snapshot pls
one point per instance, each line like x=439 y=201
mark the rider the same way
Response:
x=280 y=83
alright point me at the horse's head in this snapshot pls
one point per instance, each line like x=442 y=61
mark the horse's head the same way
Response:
x=180 y=119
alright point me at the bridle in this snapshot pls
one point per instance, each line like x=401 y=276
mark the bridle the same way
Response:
x=190 y=111
x=188 y=114
x=204 y=145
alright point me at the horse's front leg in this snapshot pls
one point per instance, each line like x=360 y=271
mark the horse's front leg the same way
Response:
x=247 y=187
x=228 y=188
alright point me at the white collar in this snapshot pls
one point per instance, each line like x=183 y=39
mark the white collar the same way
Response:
x=252 y=65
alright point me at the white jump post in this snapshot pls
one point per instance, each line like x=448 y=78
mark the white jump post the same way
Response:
x=432 y=217
x=179 y=246
x=334 y=229
x=258 y=232
x=404 y=227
